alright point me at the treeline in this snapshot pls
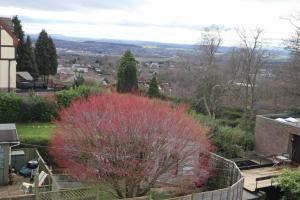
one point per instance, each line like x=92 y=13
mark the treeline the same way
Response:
x=40 y=60
x=248 y=77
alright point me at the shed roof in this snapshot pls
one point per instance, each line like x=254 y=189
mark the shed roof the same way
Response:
x=25 y=75
x=8 y=133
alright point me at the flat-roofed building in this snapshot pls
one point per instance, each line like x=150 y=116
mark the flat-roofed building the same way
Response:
x=278 y=134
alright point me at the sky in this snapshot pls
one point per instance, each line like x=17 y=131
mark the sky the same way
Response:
x=170 y=21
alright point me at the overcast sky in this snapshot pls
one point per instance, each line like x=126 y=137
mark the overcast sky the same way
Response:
x=174 y=21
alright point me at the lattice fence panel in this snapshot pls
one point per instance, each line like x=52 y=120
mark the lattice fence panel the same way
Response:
x=79 y=194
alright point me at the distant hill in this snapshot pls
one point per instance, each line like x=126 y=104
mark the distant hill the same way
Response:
x=139 y=48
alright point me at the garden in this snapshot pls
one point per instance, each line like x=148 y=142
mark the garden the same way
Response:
x=62 y=117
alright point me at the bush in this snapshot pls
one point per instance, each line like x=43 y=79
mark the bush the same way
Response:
x=140 y=129
x=14 y=108
x=65 y=97
x=227 y=122
x=289 y=181
x=294 y=111
x=229 y=113
x=36 y=109
x=229 y=141
x=10 y=108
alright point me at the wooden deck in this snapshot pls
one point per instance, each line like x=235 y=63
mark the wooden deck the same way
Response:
x=252 y=174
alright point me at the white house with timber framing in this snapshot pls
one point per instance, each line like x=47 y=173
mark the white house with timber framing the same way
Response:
x=8 y=43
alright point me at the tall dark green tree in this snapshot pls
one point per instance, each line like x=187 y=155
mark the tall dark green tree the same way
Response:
x=24 y=52
x=45 y=55
x=20 y=50
x=17 y=28
x=52 y=57
x=153 y=88
x=127 y=73
x=42 y=54
x=29 y=58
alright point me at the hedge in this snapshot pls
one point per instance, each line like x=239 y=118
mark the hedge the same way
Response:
x=10 y=108
x=14 y=108
x=38 y=110
x=65 y=97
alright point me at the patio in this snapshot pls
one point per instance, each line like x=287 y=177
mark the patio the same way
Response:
x=15 y=188
x=262 y=177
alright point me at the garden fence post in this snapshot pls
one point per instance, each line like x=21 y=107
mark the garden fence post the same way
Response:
x=36 y=184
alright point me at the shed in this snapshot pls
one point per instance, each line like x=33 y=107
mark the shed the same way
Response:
x=8 y=139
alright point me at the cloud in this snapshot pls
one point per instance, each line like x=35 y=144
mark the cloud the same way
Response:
x=71 y=5
x=32 y=20
x=124 y=23
x=275 y=1
x=162 y=20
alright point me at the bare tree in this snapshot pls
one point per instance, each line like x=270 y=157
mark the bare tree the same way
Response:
x=291 y=73
x=246 y=62
x=211 y=88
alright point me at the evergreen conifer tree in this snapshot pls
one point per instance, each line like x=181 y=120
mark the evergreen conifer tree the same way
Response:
x=127 y=73
x=153 y=88
x=29 y=58
x=20 y=50
x=45 y=55
x=17 y=28
x=52 y=57
x=42 y=55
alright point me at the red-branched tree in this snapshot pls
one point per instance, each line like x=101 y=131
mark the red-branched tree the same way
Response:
x=128 y=142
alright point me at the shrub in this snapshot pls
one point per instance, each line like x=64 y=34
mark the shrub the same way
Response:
x=126 y=137
x=36 y=109
x=294 y=111
x=43 y=111
x=65 y=97
x=229 y=113
x=229 y=141
x=289 y=181
x=226 y=122
x=10 y=108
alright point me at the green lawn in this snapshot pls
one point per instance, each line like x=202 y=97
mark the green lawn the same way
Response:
x=34 y=132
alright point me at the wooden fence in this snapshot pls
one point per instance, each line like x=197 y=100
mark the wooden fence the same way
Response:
x=230 y=186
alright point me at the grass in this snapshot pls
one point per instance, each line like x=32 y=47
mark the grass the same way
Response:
x=34 y=131
x=36 y=135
